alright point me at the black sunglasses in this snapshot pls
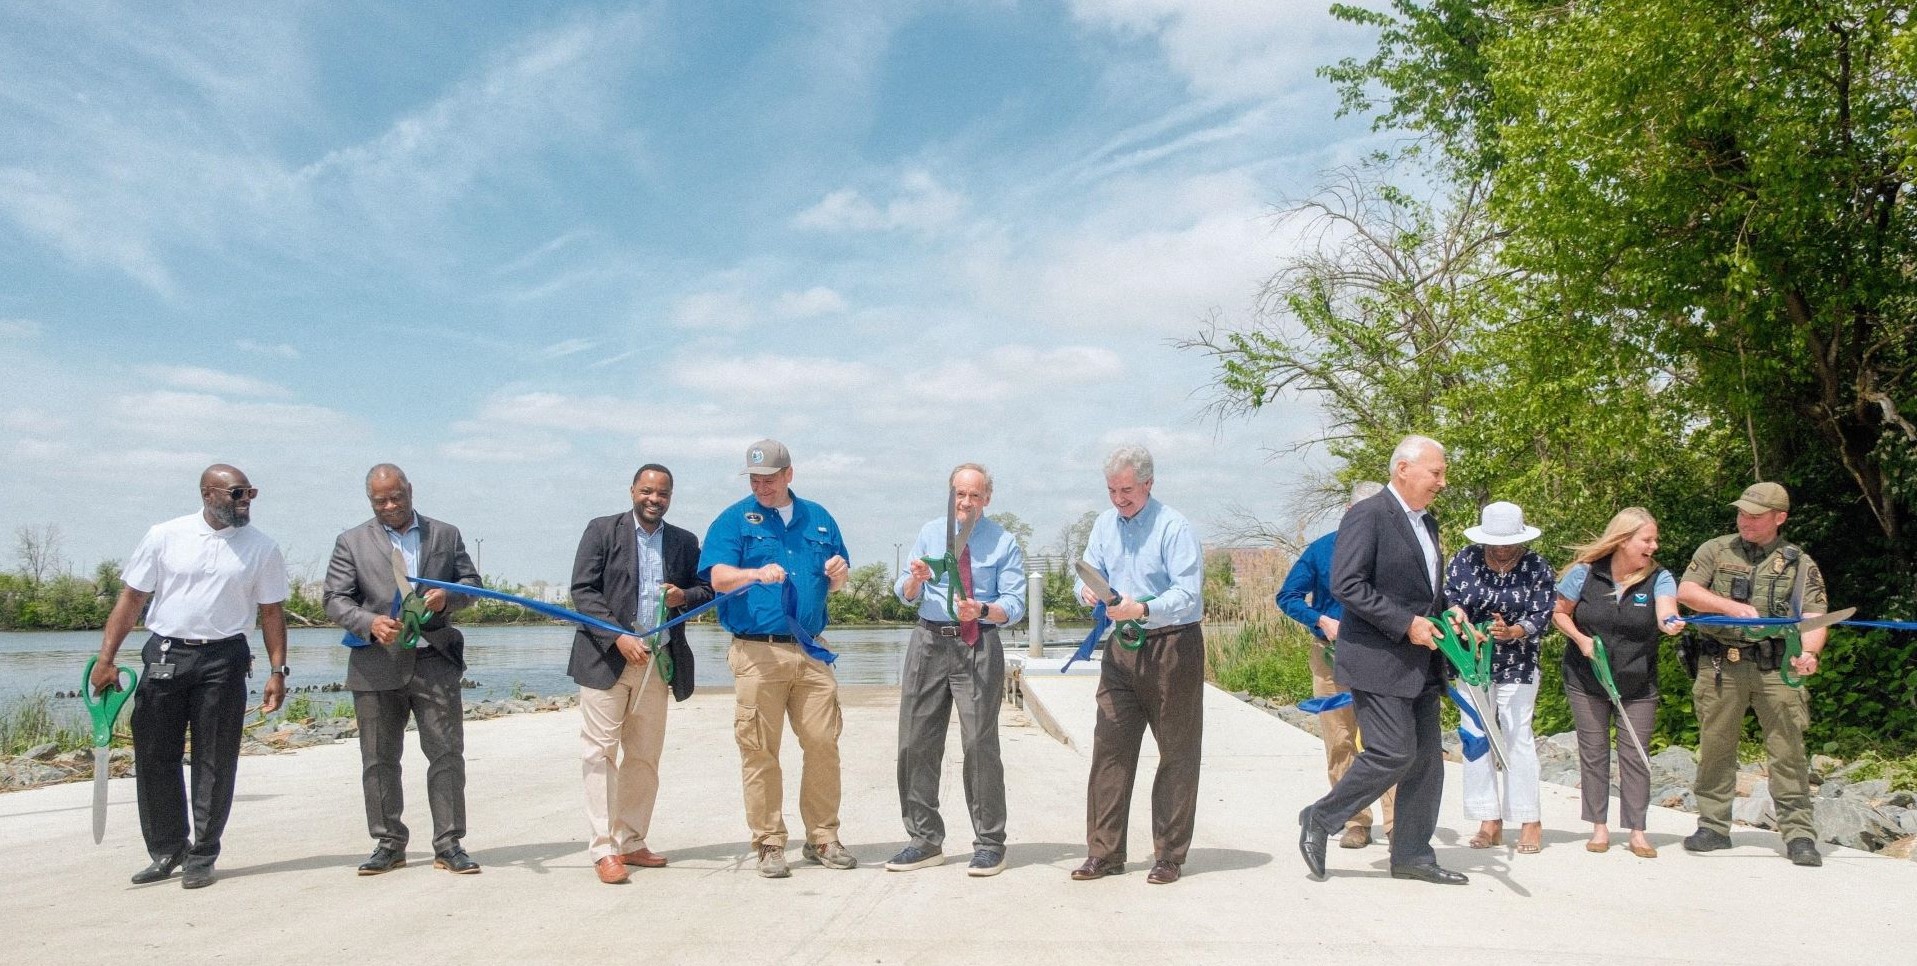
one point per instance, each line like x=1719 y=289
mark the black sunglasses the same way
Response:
x=235 y=492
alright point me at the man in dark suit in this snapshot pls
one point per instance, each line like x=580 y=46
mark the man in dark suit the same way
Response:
x=1386 y=571
x=628 y=565
x=391 y=680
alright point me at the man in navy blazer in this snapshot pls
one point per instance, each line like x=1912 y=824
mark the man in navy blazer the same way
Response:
x=1387 y=572
x=627 y=564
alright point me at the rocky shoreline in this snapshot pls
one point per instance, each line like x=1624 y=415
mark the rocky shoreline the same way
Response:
x=1868 y=815
x=47 y=765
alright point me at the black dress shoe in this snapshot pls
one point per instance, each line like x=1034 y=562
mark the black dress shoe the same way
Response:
x=1311 y=842
x=1097 y=868
x=383 y=860
x=196 y=877
x=160 y=869
x=1163 y=872
x=1429 y=872
x=456 y=861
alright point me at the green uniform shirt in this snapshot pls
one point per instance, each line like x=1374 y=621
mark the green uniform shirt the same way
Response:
x=1723 y=563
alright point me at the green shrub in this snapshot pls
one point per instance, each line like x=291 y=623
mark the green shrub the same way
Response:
x=1267 y=658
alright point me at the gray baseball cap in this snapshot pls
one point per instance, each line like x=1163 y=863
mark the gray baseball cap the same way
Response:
x=766 y=457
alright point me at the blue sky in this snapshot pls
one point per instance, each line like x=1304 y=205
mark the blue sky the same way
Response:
x=520 y=249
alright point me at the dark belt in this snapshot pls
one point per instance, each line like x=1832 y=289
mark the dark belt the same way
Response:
x=767 y=638
x=951 y=628
x=201 y=642
x=1167 y=631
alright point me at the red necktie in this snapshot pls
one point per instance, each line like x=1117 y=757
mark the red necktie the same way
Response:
x=968 y=630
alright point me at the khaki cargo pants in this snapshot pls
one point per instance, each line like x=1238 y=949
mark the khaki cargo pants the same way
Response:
x=773 y=681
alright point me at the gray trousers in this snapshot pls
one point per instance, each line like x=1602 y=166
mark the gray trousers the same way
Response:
x=1403 y=747
x=432 y=697
x=1594 y=715
x=1161 y=686
x=941 y=672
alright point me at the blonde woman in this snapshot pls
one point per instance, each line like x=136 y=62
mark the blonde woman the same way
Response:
x=1614 y=589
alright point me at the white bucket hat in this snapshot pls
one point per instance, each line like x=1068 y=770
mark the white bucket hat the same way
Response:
x=1500 y=525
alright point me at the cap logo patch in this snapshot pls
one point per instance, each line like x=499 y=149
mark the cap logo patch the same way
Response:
x=756 y=456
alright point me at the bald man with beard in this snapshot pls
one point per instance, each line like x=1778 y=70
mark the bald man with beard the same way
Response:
x=207 y=574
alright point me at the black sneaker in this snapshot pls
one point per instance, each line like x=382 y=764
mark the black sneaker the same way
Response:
x=912 y=857
x=1803 y=852
x=986 y=862
x=1706 y=840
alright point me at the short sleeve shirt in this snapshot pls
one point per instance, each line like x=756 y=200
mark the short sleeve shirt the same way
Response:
x=748 y=534
x=1765 y=575
x=206 y=584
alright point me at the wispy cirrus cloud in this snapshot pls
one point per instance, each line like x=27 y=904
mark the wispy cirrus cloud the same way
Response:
x=277 y=350
x=919 y=203
x=199 y=379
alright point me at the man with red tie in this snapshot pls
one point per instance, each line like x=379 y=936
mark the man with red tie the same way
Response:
x=955 y=657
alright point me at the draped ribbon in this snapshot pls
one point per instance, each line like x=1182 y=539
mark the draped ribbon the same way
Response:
x=1100 y=623
x=1330 y=702
x=1720 y=620
x=1476 y=745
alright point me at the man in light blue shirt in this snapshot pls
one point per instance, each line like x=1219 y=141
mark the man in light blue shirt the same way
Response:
x=1150 y=556
x=955 y=656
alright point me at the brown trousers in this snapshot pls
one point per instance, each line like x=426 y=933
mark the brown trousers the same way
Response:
x=1340 y=730
x=1162 y=686
x=772 y=681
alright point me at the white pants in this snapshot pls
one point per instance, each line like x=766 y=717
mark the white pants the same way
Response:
x=1516 y=703
x=623 y=733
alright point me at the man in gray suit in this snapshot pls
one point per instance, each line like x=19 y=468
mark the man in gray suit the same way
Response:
x=1386 y=571
x=393 y=677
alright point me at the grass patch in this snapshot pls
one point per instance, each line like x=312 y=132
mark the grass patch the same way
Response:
x=1267 y=658
x=35 y=720
x=1900 y=772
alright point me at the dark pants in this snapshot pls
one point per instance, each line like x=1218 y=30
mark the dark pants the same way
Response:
x=1594 y=716
x=940 y=672
x=432 y=698
x=1160 y=685
x=207 y=697
x=1402 y=748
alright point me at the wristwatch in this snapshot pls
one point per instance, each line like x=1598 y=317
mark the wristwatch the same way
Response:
x=283 y=670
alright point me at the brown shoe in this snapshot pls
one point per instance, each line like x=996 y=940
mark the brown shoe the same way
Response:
x=1163 y=873
x=1097 y=868
x=611 y=870
x=645 y=859
x=1355 y=837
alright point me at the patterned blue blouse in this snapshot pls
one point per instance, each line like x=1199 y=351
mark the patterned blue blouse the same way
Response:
x=1524 y=596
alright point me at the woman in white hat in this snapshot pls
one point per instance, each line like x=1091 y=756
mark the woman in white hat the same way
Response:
x=1497 y=580
x=1614 y=589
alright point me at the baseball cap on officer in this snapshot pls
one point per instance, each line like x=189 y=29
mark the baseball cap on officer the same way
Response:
x=1763 y=498
x=766 y=457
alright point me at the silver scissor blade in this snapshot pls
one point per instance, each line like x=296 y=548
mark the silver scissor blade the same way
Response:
x=400 y=578
x=1487 y=716
x=1095 y=582
x=951 y=521
x=1822 y=621
x=101 y=757
x=1637 y=743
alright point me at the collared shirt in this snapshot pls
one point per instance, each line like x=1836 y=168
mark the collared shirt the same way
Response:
x=749 y=535
x=649 y=554
x=1523 y=595
x=998 y=571
x=1154 y=554
x=1425 y=543
x=407 y=543
x=1306 y=593
x=206 y=584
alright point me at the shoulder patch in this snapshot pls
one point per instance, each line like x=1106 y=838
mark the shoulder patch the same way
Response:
x=754 y=516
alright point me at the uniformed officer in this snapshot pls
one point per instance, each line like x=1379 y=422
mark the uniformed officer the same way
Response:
x=1754 y=572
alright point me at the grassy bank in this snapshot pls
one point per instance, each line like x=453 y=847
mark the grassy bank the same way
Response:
x=1268 y=658
x=35 y=720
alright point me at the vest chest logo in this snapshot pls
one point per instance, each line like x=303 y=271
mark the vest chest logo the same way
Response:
x=1640 y=599
x=755 y=518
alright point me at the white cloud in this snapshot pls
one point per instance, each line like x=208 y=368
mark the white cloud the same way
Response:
x=812 y=302
x=1231 y=47
x=21 y=329
x=86 y=235
x=204 y=380
x=212 y=420
x=505 y=449
x=278 y=350
x=800 y=380
x=721 y=311
x=560 y=350
x=28 y=420
x=920 y=204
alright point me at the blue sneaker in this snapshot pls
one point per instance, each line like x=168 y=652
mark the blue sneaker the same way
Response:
x=912 y=857
x=986 y=862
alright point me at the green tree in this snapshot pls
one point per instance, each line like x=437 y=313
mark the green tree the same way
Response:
x=1019 y=529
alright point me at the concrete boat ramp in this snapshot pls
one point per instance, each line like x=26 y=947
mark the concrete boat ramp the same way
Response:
x=287 y=891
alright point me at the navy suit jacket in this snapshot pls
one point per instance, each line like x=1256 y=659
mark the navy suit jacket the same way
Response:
x=1379 y=576
x=605 y=584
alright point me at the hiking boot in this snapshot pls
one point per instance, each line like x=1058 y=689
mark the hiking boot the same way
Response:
x=1706 y=840
x=832 y=855
x=912 y=857
x=1803 y=852
x=772 y=862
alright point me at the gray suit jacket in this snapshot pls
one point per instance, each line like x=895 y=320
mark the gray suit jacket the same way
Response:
x=1378 y=574
x=360 y=586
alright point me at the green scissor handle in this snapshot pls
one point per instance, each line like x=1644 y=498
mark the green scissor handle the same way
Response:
x=941 y=567
x=1793 y=649
x=105 y=709
x=1473 y=660
x=661 y=653
x=414 y=615
x=1136 y=628
x=1601 y=666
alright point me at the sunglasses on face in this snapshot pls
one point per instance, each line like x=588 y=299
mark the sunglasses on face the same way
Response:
x=235 y=492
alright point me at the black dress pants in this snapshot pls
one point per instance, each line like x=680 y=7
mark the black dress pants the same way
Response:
x=205 y=697
x=1402 y=747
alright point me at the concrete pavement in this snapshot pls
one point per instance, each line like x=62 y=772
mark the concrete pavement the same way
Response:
x=287 y=891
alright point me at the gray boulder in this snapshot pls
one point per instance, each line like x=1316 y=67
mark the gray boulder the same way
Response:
x=1850 y=823
x=42 y=750
x=1559 y=747
x=1757 y=810
x=1674 y=766
x=1874 y=790
x=1907 y=822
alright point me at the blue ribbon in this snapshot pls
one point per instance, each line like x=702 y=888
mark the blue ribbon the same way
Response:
x=1720 y=620
x=1476 y=745
x=789 y=600
x=354 y=640
x=1330 y=702
x=1100 y=623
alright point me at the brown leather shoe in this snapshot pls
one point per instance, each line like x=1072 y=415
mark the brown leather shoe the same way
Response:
x=1097 y=868
x=1164 y=872
x=645 y=859
x=1355 y=837
x=611 y=870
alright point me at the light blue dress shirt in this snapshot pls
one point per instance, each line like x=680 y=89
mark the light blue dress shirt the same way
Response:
x=407 y=544
x=650 y=554
x=998 y=571
x=1154 y=554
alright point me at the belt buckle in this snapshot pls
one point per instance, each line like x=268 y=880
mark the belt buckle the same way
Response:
x=1733 y=654
x=948 y=630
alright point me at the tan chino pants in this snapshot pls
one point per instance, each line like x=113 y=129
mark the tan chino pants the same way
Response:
x=624 y=731
x=771 y=683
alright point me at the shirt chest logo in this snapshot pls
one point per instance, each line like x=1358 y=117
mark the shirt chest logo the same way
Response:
x=755 y=518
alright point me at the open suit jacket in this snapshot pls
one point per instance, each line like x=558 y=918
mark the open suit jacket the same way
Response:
x=360 y=586
x=605 y=584
x=1379 y=575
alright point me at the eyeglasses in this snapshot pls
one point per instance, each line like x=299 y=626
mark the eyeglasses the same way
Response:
x=235 y=492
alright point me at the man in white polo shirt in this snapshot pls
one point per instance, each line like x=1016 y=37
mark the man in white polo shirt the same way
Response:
x=207 y=574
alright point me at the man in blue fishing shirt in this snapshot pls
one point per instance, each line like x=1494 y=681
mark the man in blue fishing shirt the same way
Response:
x=775 y=539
